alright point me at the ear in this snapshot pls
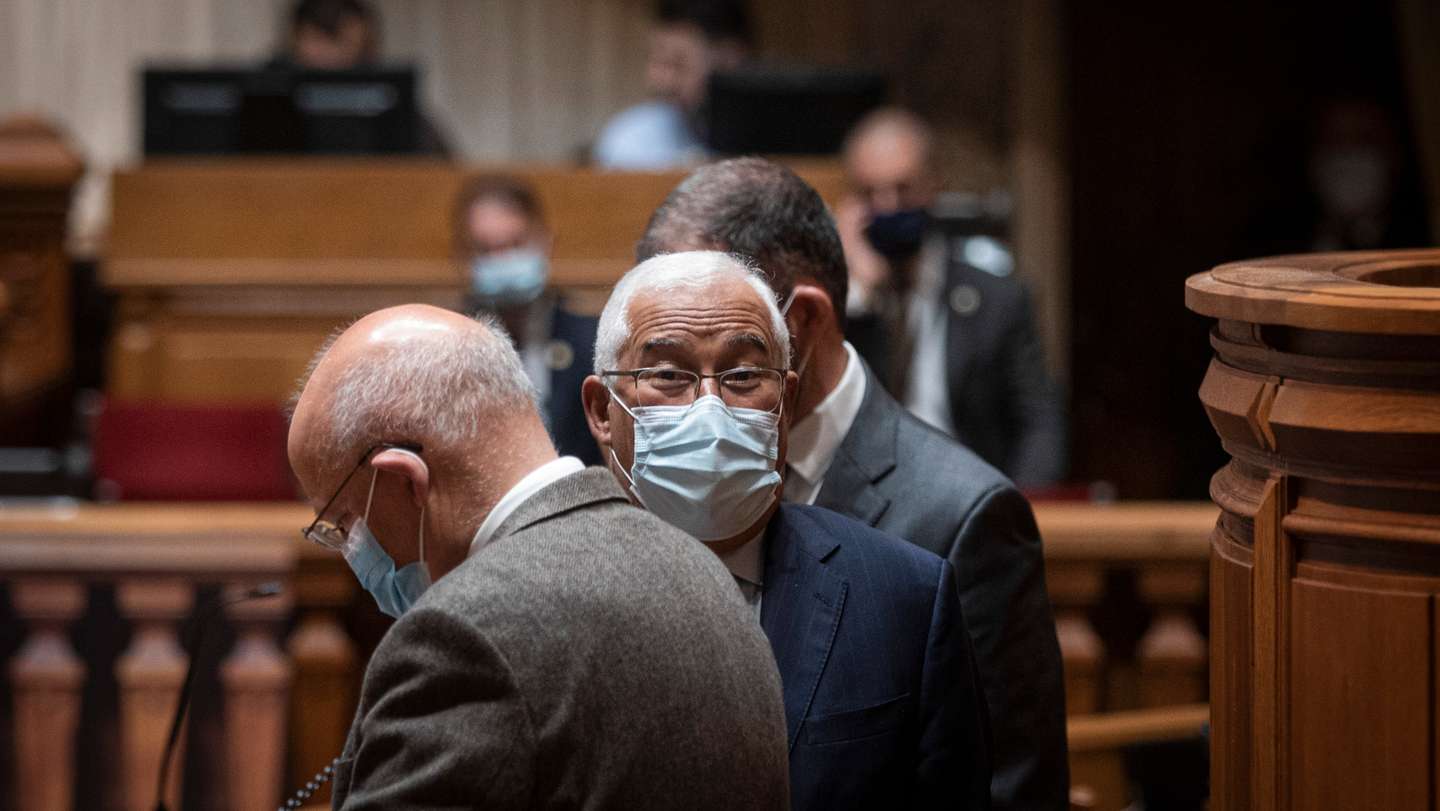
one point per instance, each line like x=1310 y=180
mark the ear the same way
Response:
x=790 y=396
x=409 y=465
x=810 y=313
x=596 y=399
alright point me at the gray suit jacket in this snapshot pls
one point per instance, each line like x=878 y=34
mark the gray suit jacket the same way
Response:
x=591 y=657
x=898 y=474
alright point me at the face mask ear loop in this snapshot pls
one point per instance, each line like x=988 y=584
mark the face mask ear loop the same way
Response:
x=375 y=474
x=422 y=539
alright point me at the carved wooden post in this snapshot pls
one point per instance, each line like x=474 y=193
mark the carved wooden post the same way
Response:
x=326 y=663
x=1325 y=391
x=47 y=677
x=256 y=678
x=37 y=173
x=1172 y=653
x=1075 y=588
x=150 y=673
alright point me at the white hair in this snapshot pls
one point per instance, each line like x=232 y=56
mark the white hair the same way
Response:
x=693 y=270
x=432 y=386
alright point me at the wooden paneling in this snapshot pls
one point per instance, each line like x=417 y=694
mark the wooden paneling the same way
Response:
x=1355 y=726
x=231 y=273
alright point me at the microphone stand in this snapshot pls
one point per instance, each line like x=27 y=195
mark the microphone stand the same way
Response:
x=269 y=589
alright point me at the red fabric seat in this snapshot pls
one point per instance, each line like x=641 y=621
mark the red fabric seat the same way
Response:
x=159 y=451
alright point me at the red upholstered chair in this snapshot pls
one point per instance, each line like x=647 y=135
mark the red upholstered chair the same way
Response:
x=159 y=451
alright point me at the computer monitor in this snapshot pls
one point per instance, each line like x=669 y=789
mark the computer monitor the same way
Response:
x=787 y=110
x=226 y=111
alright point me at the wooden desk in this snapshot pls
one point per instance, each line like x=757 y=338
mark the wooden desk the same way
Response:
x=231 y=272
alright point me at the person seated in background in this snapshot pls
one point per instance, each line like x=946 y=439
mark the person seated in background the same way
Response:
x=691 y=401
x=953 y=341
x=553 y=646
x=855 y=450
x=342 y=35
x=503 y=242
x=689 y=39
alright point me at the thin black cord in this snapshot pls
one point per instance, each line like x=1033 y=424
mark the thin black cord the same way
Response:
x=263 y=590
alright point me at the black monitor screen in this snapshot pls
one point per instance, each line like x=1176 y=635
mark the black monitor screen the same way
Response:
x=279 y=111
x=787 y=110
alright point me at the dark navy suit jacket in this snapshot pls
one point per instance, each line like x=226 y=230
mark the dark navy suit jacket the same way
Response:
x=881 y=699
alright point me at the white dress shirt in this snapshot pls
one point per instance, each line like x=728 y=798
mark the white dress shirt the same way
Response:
x=747 y=565
x=927 y=316
x=815 y=439
x=534 y=481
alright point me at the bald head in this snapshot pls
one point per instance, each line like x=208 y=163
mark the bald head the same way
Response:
x=415 y=374
x=888 y=160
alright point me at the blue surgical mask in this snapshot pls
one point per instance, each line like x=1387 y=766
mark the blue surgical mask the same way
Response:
x=897 y=235
x=706 y=468
x=394 y=591
x=511 y=277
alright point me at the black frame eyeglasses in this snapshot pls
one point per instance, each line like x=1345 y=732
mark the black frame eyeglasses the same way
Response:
x=328 y=534
x=732 y=382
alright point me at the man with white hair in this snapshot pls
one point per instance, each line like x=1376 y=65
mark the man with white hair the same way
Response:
x=690 y=402
x=554 y=646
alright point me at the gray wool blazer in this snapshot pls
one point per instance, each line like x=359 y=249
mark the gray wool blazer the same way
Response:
x=591 y=656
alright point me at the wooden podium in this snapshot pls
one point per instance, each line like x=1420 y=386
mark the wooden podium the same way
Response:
x=1325 y=563
x=231 y=272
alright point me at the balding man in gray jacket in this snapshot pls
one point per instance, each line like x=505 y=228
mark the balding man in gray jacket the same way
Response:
x=554 y=646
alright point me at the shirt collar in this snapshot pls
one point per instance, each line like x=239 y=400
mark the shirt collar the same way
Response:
x=814 y=440
x=746 y=562
x=534 y=481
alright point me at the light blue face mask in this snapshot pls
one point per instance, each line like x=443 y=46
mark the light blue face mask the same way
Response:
x=393 y=591
x=706 y=468
x=511 y=277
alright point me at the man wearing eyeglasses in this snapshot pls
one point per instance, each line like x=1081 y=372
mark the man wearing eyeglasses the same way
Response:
x=690 y=403
x=554 y=646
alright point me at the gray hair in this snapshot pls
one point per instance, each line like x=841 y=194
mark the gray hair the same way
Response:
x=674 y=271
x=432 y=387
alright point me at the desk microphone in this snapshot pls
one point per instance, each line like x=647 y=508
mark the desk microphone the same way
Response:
x=269 y=589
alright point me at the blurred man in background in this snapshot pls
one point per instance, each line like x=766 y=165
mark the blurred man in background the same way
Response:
x=689 y=40
x=343 y=35
x=956 y=343
x=855 y=450
x=503 y=242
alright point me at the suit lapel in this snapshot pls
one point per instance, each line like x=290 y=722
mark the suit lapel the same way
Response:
x=800 y=613
x=865 y=455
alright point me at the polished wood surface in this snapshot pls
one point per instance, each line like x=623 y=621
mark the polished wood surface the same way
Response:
x=1325 y=391
x=230 y=273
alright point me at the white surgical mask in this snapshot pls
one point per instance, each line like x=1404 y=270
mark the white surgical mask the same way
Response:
x=511 y=277
x=706 y=468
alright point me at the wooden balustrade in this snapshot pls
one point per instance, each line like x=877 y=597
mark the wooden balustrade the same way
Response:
x=287 y=706
x=154 y=560
x=1108 y=568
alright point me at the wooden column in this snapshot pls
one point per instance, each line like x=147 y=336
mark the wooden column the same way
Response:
x=47 y=677
x=150 y=673
x=326 y=663
x=256 y=678
x=1325 y=391
x=1075 y=588
x=1172 y=654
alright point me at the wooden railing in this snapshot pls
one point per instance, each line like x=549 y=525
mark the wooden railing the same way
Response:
x=286 y=699
x=1129 y=587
